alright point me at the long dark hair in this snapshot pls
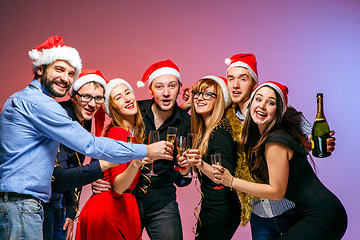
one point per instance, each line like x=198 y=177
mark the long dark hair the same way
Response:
x=252 y=141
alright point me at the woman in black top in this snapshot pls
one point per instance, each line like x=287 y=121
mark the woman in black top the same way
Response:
x=278 y=160
x=220 y=208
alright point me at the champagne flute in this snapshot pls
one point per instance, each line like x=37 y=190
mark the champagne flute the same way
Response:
x=171 y=134
x=190 y=144
x=216 y=159
x=153 y=137
x=180 y=146
x=131 y=134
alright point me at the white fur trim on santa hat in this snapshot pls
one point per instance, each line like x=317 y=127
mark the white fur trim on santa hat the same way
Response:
x=84 y=80
x=224 y=88
x=110 y=86
x=48 y=56
x=244 y=65
x=164 y=71
x=277 y=89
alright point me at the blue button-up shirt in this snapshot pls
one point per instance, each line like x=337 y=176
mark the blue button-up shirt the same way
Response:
x=32 y=124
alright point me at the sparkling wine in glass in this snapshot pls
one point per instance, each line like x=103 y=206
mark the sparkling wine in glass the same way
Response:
x=190 y=144
x=171 y=134
x=131 y=134
x=216 y=160
x=180 y=146
x=153 y=137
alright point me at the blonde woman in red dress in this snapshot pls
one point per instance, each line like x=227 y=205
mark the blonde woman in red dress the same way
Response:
x=114 y=214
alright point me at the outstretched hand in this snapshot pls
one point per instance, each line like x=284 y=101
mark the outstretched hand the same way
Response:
x=160 y=150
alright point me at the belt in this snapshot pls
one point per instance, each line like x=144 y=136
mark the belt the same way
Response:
x=132 y=191
x=8 y=195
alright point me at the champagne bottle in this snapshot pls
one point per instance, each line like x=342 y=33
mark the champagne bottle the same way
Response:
x=320 y=131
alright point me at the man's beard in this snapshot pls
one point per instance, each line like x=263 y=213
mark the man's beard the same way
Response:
x=49 y=87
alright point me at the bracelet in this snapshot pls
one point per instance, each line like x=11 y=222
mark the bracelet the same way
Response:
x=232 y=182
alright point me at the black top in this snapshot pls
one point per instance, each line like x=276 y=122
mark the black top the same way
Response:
x=220 y=208
x=68 y=174
x=161 y=190
x=322 y=214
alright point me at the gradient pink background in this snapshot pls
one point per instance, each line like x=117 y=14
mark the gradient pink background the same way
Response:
x=311 y=46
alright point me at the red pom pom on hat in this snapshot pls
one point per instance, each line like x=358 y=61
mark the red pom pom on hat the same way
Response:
x=166 y=67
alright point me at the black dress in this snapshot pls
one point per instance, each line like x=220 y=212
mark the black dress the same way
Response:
x=322 y=216
x=220 y=208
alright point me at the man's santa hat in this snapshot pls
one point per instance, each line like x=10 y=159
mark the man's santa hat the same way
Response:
x=54 y=49
x=223 y=85
x=158 y=69
x=246 y=60
x=282 y=90
x=86 y=76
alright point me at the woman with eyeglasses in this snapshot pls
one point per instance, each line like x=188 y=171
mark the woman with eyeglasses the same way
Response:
x=219 y=216
x=114 y=214
x=278 y=161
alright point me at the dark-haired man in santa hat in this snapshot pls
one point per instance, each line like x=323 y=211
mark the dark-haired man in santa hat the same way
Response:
x=32 y=124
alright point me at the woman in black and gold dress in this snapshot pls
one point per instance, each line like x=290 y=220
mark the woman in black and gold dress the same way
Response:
x=220 y=208
x=278 y=160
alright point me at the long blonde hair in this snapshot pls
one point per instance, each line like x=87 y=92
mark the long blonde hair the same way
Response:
x=197 y=121
x=118 y=121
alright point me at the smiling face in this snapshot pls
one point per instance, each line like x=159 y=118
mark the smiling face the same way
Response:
x=205 y=107
x=240 y=84
x=57 y=78
x=87 y=110
x=125 y=102
x=263 y=107
x=165 y=90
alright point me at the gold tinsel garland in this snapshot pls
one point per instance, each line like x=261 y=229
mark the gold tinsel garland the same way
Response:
x=242 y=171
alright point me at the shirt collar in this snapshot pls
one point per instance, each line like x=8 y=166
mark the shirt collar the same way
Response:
x=39 y=87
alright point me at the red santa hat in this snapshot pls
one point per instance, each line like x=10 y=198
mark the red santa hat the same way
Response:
x=110 y=86
x=282 y=90
x=246 y=60
x=223 y=85
x=158 y=69
x=86 y=76
x=54 y=49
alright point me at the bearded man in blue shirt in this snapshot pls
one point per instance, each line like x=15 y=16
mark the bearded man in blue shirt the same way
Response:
x=32 y=124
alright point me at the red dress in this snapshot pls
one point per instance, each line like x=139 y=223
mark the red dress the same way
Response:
x=110 y=215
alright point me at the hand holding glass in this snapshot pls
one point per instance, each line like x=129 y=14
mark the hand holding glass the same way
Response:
x=180 y=146
x=190 y=144
x=153 y=137
x=216 y=160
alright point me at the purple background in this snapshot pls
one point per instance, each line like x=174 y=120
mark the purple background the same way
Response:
x=311 y=46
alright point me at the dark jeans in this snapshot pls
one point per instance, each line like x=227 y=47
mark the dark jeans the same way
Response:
x=162 y=224
x=272 y=228
x=54 y=220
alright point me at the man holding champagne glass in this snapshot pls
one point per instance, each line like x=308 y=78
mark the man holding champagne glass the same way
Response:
x=156 y=197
